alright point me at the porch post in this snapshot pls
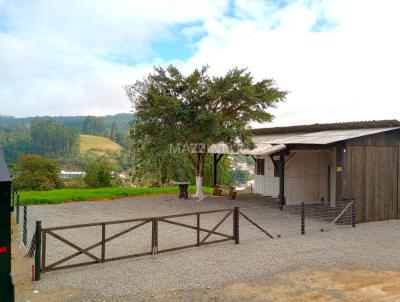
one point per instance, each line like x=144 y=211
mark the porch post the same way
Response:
x=216 y=161
x=215 y=169
x=281 y=181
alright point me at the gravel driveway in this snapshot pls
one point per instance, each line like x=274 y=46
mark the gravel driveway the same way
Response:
x=256 y=257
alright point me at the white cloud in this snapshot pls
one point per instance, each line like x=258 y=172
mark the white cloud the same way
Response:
x=66 y=59
x=347 y=73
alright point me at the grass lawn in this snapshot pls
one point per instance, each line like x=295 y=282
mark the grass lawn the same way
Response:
x=100 y=144
x=64 y=195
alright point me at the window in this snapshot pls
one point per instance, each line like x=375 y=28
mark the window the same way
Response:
x=259 y=166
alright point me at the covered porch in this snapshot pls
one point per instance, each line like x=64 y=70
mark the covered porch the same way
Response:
x=291 y=173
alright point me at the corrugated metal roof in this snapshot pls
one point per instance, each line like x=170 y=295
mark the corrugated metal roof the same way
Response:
x=261 y=149
x=329 y=126
x=319 y=138
x=273 y=137
x=272 y=143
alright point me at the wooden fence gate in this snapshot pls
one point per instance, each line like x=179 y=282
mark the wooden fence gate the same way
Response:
x=139 y=222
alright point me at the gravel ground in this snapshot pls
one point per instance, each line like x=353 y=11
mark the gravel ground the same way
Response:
x=257 y=257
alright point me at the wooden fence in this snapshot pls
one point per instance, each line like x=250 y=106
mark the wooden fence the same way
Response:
x=39 y=242
x=43 y=233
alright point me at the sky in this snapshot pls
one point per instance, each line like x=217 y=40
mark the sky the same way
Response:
x=340 y=60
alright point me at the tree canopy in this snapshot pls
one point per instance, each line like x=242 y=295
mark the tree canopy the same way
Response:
x=98 y=174
x=200 y=110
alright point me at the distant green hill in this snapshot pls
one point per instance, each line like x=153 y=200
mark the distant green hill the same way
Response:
x=75 y=122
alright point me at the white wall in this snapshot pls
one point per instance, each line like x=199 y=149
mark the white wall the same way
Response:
x=306 y=177
x=267 y=184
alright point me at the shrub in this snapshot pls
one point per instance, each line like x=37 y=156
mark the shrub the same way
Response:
x=98 y=174
x=34 y=172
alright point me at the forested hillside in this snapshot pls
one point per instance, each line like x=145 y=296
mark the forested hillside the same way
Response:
x=53 y=139
x=75 y=122
x=14 y=139
x=58 y=137
x=94 y=125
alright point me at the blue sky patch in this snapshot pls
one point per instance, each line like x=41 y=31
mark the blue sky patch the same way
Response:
x=323 y=24
x=179 y=45
x=4 y=22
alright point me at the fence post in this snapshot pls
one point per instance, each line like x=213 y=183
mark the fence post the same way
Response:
x=25 y=228
x=38 y=238
x=43 y=250
x=17 y=209
x=198 y=229
x=103 y=242
x=303 y=219
x=152 y=236
x=236 y=225
x=353 y=214
x=154 y=244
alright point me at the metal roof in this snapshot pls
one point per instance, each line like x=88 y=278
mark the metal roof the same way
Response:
x=329 y=126
x=272 y=143
x=261 y=149
x=5 y=175
x=320 y=137
x=63 y=172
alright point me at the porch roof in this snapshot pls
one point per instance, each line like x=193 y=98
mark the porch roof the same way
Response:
x=261 y=149
x=319 y=137
x=274 y=142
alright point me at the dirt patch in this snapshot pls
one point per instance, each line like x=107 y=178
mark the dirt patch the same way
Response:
x=333 y=286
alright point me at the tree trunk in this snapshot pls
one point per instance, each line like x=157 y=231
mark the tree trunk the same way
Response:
x=199 y=187
x=199 y=169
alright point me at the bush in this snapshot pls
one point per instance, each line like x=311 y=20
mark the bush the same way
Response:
x=34 y=172
x=98 y=174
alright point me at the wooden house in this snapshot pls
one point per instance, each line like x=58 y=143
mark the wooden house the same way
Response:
x=329 y=162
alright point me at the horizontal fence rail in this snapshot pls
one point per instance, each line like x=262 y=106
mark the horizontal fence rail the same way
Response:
x=139 y=222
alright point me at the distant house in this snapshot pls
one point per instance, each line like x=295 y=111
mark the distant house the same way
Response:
x=329 y=162
x=71 y=174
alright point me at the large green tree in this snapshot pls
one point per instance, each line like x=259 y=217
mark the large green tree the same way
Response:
x=98 y=174
x=198 y=110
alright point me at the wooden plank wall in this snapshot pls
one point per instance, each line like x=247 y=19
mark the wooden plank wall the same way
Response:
x=373 y=179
